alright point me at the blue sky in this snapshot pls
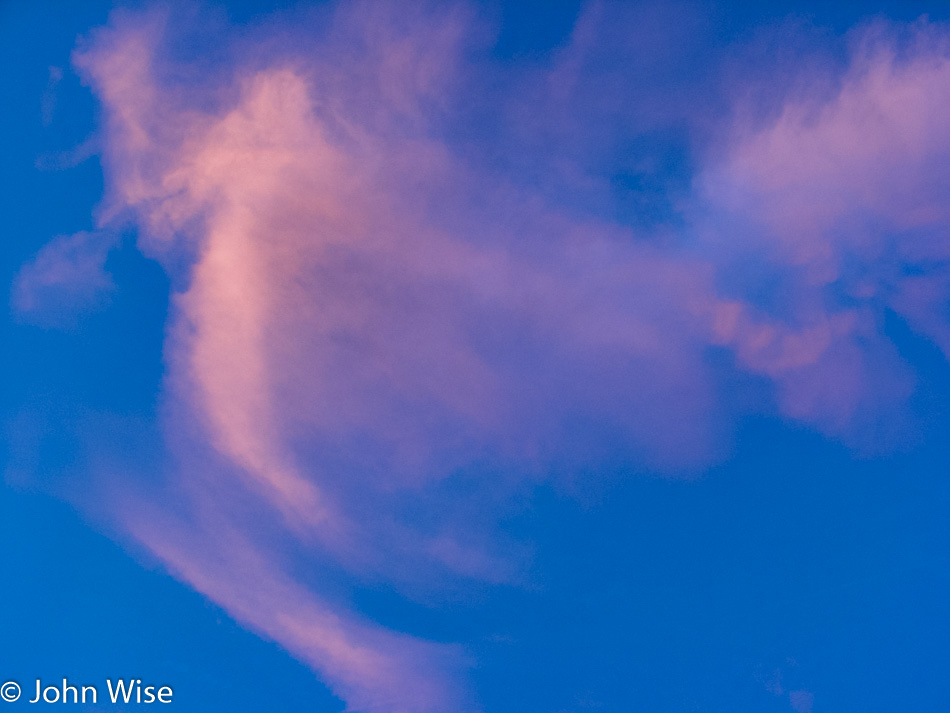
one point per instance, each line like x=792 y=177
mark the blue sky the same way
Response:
x=505 y=357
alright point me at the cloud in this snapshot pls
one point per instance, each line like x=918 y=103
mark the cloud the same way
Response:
x=342 y=355
x=840 y=204
x=377 y=343
x=65 y=280
x=801 y=701
x=48 y=103
x=372 y=669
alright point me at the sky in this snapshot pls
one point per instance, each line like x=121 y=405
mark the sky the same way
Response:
x=539 y=357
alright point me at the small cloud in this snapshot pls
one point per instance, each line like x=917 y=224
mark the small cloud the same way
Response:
x=48 y=103
x=70 y=158
x=65 y=280
x=801 y=701
x=774 y=683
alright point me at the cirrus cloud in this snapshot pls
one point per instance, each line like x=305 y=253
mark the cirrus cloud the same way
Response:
x=363 y=317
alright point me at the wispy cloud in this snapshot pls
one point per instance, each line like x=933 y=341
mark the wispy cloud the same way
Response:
x=838 y=209
x=65 y=280
x=366 y=313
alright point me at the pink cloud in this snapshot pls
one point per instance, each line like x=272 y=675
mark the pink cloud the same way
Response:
x=363 y=314
x=338 y=352
x=837 y=174
x=65 y=280
x=372 y=669
x=840 y=200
